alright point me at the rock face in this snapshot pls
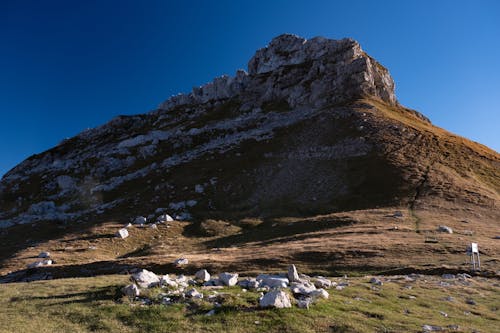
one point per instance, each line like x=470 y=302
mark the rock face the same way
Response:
x=312 y=127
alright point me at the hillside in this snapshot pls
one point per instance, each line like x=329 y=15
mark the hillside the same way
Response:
x=305 y=158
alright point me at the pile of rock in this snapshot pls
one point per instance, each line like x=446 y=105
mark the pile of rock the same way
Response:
x=278 y=291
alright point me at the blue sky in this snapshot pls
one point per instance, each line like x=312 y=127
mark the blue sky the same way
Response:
x=69 y=65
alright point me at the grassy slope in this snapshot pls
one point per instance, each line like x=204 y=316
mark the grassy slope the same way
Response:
x=95 y=304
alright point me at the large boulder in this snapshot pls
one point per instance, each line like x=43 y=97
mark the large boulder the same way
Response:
x=146 y=279
x=319 y=293
x=229 y=279
x=322 y=282
x=275 y=299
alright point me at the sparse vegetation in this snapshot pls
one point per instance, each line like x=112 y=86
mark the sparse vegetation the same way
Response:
x=95 y=305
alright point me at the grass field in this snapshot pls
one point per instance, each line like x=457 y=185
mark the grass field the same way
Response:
x=96 y=305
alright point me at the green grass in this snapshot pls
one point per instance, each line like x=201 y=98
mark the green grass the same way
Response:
x=96 y=305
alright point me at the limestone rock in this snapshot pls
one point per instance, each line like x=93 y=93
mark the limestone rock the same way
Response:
x=131 y=290
x=193 y=293
x=321 y=282
x=146 y=279
x=275 y=299
x=229 y=279
x=293 y=275
x=122 y=233
x=444 y=228
x=42 y=263
x=202 y=275
x=140 y=220
x=272 y=281
x=319 y=293
x=44 y=254
x=303 y=288
x=181 y=262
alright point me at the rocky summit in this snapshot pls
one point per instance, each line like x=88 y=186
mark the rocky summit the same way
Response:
x=312 y=128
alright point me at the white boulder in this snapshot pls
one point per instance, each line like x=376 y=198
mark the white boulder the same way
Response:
x=275 y=299
x=202 y=275
x=146 y=279
x=272 y=281
x=36 y=264
x=229 y=279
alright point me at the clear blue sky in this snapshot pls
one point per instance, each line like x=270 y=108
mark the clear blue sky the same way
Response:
x=69 y=65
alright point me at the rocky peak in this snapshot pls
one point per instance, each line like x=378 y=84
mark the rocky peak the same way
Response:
x=319 y=71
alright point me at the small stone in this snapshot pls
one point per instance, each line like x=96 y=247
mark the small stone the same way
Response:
x=44 y=255
x=304 y=303
x=432 y=328
x=131 y=290
x=36 y=264
x=193 y=293
x=202 y=275
x=470 y=301
x=444 y=228
x=181 y=262
x=122 y=233
x=448 y=276
x=275 y=299
x=376 y=281
x=140 y=220
x=444 y=314
x=210 y=313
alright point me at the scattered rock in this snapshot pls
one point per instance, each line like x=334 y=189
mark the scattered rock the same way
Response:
x=146 y=279
x=202 y=275
x=131 y=290
x=165 y=218
x=275 y=299
x=376 y=281
x=448 y=276
x=293 y=275
x=444 y=228
x=249 y=283
x=228 y=279
x=444 y=314
x=122 y=233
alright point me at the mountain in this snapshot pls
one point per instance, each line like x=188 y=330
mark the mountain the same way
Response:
x=313 y=127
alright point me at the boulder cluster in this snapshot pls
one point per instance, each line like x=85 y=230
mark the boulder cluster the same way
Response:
x=141 y=221
x=276 y=291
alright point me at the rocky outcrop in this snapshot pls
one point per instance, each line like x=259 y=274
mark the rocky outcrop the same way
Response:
x=312 y=127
